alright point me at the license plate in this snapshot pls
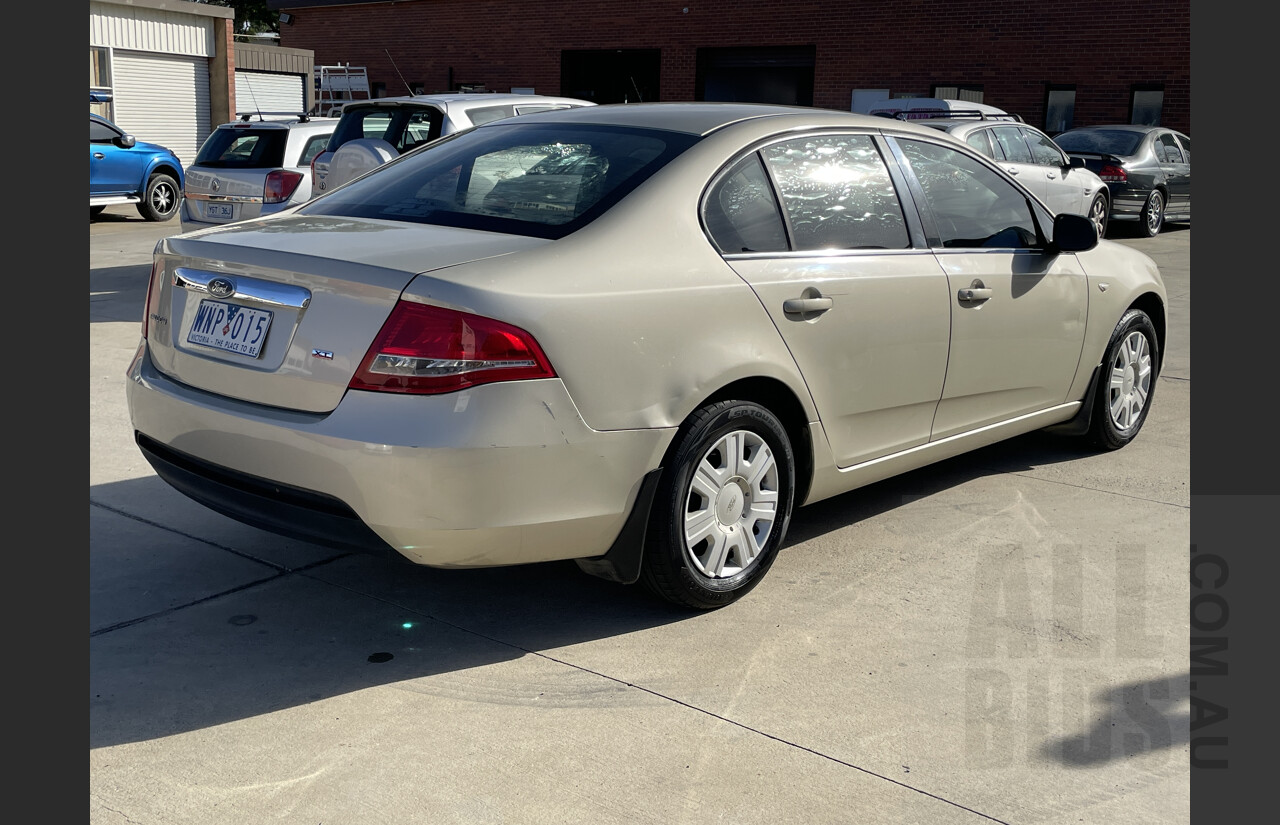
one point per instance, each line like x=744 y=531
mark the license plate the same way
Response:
x=218 y=210
x=230 y=327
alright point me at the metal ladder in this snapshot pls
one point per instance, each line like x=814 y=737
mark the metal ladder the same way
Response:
x=338 y=85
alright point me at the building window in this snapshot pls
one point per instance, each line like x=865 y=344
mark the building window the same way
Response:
x=959 y=91
x=100 y=78
x=1059 y=108
x=767 y=74
x=1148 y=100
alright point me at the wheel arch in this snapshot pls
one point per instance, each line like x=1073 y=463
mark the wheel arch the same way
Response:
x=1150 y=303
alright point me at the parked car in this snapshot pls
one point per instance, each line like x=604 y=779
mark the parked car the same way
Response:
x=124 y=170
x=923 y=108
x=1062 y=182
x=372 y=132
x=250 y=168
x=633 y=335
x=1147 y=168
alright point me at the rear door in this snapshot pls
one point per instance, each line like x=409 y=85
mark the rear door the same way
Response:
x=857 y=297
x=228 y=180
x=1017 y=312
x=1018 y=160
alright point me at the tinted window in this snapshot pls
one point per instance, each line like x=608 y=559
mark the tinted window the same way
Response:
x=741 y=213
x=1012 y=144
x=243 y=148
x=981 y=140
x=315 y=145
x=1168 y=148
x=971 y=205
x=544 y=180
x=1043 y=149
x=837 y=193
x=1101 y=141
x=1186 y=147
x=101 y=132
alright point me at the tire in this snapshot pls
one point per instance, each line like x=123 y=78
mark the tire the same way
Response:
x=722 y=508
x=95 y=211
x=161 y=200
x=1098 y=213
x=1127 y=382
x=1152 y=219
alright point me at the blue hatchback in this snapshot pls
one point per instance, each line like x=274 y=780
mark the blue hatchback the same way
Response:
x=123 y=169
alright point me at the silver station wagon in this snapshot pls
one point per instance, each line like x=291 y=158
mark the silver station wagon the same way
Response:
x=637 y=336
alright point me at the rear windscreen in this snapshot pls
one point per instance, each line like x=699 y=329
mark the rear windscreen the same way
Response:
x=243 y=148
x=544 y=180
x=1101 y=142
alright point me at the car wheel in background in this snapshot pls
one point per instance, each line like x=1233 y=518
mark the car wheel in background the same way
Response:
x=161 y=200
x=1152 y=219
x=722 y=508
x=1126 y=383
x=1098 y=211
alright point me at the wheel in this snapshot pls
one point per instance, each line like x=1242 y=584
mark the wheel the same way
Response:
x=1098 y=211
x=1152 y=219
x=161 y=200
x=722 y=507
x=1127 y=382
x=95 y=211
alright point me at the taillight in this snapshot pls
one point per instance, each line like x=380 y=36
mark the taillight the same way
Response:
x=426 y=349
x=280 y=185
x=156 y=269
x=1113 y=174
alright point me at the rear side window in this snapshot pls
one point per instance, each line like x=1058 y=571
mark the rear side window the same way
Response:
x=246 y=148
x=981 y=140
x=741 y=213
x=314 y=146
x=1168 y=149
x=541 y=180
x=837 y=193
x=1012 y=144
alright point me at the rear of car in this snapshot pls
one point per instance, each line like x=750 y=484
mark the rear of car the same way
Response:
x=252 y=168
x=376 y=131
x=1147 y=168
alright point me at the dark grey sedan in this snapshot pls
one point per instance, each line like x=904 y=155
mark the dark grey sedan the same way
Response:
x=1147 y=168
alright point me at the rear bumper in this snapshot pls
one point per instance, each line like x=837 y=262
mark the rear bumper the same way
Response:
x=500 y=474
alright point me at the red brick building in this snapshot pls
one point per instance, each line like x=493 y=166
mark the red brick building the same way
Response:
x=1080 y=63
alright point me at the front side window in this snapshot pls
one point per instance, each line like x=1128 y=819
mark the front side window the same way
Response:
x=100 y=132
x=837 y=193
x=972 y=206
x=1043 y=150
x=541 y=180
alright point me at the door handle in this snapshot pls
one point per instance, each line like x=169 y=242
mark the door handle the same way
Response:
x=1052 y=176
x=801 y=306
x=1012 y=170
x=98 y=155
x=975 y=293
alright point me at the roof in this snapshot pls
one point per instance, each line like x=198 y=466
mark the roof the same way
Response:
x=463 y=97
x=704 y=118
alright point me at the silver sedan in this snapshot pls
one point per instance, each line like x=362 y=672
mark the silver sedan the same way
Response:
x=637 y=336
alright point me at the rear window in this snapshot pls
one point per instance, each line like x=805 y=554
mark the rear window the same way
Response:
x=243 y=148
x=1102 y=142
x=543 y=180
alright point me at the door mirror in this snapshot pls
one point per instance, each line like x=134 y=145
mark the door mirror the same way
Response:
x=126 y=141
x=1076 y=163
x=1074 y=233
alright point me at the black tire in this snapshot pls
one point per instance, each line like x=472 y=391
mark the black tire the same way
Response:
x=754 y=497
x=95 y=211
x=1127 y=379
x=1152 y=219
x=161 y=200
x=1099 y=211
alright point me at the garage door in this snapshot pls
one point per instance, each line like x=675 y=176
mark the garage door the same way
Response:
x=163 y=99
x=268 y=92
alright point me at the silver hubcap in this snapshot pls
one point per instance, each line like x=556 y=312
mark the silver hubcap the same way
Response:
x=1130 y=381
x=162 y=199
x=732 y=504
x=1155 y=210
x=1099 y=216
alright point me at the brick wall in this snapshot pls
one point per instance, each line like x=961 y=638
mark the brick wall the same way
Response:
x=1011 y=49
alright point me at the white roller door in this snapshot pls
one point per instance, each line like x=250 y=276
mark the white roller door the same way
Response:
x=267 y=92
x=163 y=99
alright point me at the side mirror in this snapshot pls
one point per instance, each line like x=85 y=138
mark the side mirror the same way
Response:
x=1074 y=233
x=127 y=141
x=1076 y=163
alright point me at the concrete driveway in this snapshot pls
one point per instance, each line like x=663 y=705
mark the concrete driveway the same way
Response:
x=1001 y=637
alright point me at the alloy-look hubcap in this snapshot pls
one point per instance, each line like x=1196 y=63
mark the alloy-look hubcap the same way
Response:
x=1130 y=381
x=731 y=505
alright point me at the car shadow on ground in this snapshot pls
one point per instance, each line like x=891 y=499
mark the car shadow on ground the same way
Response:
x=252 y=634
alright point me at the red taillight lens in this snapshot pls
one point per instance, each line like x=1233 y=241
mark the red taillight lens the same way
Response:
x=426 y=349
x=1113 y=174
x=156 y=269
x=280 y=185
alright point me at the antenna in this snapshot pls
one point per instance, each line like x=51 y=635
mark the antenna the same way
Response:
x=397 y=68
x=252 y=97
